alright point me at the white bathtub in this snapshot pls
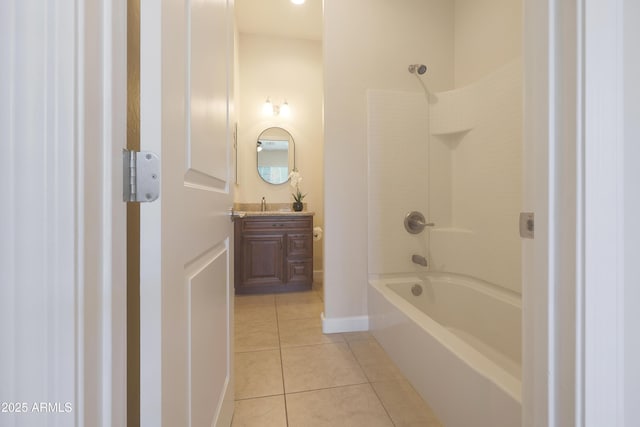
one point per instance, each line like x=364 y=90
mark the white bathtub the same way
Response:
x=458 y=343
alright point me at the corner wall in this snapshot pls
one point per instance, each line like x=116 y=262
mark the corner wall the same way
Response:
x=368 y=44
x=488 y=34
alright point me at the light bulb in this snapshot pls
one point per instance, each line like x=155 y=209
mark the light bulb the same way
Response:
x=285 y=111
x=267 y=108
x=297 y=1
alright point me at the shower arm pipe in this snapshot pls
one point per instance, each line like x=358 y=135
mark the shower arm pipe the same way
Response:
x=418 y=70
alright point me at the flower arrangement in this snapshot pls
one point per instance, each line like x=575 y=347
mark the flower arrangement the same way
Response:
x=294 y=180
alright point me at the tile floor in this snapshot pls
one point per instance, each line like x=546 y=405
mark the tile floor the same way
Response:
x=288 y=373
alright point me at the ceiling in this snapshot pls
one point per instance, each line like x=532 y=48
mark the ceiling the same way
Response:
x=280 y=18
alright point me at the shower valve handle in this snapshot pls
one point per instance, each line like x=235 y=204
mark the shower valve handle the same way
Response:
x=414 y=222
x=423 y=224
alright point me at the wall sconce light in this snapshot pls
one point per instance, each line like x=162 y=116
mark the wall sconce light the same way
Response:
x=267 y=108
x=270 y=109
x=297 y=1
x=285 y=111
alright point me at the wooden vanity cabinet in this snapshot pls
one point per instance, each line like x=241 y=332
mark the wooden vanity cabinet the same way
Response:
x=273 y=254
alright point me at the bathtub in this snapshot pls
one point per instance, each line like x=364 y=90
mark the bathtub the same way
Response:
x=458 y=343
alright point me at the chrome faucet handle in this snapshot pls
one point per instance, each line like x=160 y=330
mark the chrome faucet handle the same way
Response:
x=414 y=222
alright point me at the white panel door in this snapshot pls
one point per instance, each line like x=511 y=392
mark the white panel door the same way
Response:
x=186 y=236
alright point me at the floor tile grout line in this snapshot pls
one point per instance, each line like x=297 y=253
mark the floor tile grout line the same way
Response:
x=314 y=345
x=364 y=371
x=371 y=385
x=258 y=397
x=327 y=388
x=286 y=410
x=284 y=390
x=382 y=403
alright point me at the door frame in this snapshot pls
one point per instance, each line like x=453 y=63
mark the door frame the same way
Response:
x=573 y=278
x=101 y=103
x=67 y=321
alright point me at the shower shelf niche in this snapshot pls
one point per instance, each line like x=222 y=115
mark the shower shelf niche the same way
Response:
x=455 y=112
x=453 y=139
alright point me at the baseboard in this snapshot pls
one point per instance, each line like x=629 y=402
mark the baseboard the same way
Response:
x=344 y=324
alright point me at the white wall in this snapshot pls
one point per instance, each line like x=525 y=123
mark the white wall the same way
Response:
x=632 y=213
x=488 y=34
x=291 y=69
x=368 y=44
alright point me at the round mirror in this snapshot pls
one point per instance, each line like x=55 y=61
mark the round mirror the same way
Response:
x=276 y=155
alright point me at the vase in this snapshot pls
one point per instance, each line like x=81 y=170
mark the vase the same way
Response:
x=297 y=206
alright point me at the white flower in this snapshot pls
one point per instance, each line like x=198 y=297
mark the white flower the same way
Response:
x=295 y=178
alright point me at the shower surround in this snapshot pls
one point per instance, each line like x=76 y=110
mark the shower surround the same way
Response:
x=475 y=174
x=456 y=157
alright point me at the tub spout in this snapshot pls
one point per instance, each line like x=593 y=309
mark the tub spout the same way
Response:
x=418 y=259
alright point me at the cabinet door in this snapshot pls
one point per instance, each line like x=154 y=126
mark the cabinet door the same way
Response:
x=262 y=259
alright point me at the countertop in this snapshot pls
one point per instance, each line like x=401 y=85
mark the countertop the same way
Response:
x=273 y=209
x=275 y=213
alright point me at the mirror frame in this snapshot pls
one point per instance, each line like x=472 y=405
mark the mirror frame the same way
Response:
x=291 y=153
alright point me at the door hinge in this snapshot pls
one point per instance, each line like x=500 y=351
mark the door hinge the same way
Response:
x=527 y=223
x=141 y=176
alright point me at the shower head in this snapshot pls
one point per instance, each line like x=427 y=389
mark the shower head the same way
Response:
x=417 y=68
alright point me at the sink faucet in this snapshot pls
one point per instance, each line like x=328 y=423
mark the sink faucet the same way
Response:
x=263 y=205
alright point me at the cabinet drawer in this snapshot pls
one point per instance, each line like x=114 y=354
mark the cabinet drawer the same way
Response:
x=300 y=271
x=277 y=223
x=300 y=245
